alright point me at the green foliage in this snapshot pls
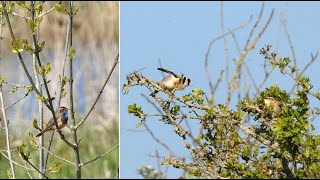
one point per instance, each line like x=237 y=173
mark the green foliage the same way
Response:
x=136 y=111
x=33 y=24
x=250 y=141
x=72 y=53
x=43 y=70
x=23 y=5
x=14 y=89
x=16 y=46
x=56 y=167
x=63 y=81
x=174 y=110
x=95 y=141
x=21 y=150
x=33 y=141
x=2 y=80
x=29 y=89
x=60 y=8
x=35 y=124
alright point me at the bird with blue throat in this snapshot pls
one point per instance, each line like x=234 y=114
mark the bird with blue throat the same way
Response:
x=62 y=120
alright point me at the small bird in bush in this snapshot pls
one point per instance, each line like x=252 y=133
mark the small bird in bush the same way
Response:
x=174 y=81
x=274 y=104
x=62 y=120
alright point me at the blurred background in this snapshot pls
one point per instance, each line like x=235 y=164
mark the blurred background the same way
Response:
x=96 y=42
x=177 y=35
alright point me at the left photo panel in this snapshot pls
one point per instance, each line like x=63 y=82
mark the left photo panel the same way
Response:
x=59 y=89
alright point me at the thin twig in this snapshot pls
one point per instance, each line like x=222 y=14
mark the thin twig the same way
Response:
x=210 y=46
x=19 y=54
x=18 y=165
x=57 y=156
x=313 y=58
x=100 y=92
x=160 y=142
x=26 y=168
x=36 y=169
x=16 y=102
x=73 y=121
x=99 y=156
x=45 y=13
x=7 y=133
x=225 y=43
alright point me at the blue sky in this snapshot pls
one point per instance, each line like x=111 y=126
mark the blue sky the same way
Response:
x=178 y=33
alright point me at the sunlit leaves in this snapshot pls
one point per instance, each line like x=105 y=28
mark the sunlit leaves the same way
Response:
x=33 y=24
x=43 y=70
x=16 y=47
x=23 y=5
x=24 y=155
x=35 y=124
x=63 y=84
x=28 y=90
x=55 y=168
x=9 y=173
x=174 y=110
x=72 y=53
x=43 y=99
x=14 y=89
x=136 y=111
x=32 y=141
x=2 y=80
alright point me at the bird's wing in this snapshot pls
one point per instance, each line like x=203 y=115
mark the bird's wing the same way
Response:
x=51 y=121
x=169 y=72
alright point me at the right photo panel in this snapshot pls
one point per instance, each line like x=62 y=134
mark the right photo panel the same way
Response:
x=219 y=90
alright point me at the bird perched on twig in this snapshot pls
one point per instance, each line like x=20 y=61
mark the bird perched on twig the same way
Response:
x=62 y=120
x=274 y=104
x=174 y=81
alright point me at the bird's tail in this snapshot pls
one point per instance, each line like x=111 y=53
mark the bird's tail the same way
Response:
x=43 y=131
x=168 y=71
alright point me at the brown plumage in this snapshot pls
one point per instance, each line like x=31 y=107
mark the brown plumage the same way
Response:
x=61 y=120
x=174 y=81
x=274 y=104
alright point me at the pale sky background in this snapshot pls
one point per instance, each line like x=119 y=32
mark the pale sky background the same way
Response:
x=179 y=33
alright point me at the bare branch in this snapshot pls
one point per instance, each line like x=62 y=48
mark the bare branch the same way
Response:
x=100 y=92
x=209 y=49
x=6 y=123
x=99 y=156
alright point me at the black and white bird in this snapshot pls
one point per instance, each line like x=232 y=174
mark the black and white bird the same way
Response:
x=174 y=81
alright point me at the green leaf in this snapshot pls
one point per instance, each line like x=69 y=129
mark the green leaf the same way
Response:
x=9 y=173
x=72 y=52
x=14 y=89
x=38 y=8
x=32 y=141
x=29 y=89
x=16 y=46
x=24 y=156
x=76 y=10
x=35 y=124
x=26 y=46
x=2 y=80
x=22 y=4
x=47 y=69
x=139 y=124
x=174 y=110
x=41 y=46
x=136 y=111
x=58 y=7
x=55 y=168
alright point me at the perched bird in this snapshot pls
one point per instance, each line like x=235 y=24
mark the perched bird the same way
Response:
x=62 y=120
x=174 y=81
x=274 y=104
